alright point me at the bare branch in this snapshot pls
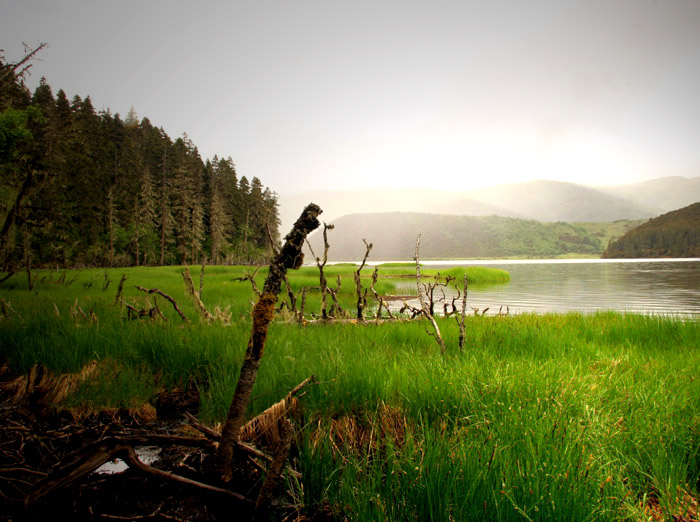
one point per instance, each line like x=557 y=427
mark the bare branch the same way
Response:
x=362 y=295
x=424 y=305
x=166 y=296
x=460 y=318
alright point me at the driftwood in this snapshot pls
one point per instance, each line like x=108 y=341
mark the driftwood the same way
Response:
x=424 y=305
x=290 y=257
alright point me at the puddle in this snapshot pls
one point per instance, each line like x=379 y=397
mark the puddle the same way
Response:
x=146 y=454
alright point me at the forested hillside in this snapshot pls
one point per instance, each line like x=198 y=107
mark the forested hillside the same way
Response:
x=86 y=188
x=675 y=234
x=450 y=237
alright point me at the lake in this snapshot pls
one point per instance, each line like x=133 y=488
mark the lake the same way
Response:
x=652 y=286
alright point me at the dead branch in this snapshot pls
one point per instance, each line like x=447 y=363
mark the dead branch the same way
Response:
x=107 y=281
x=120 y=288
x=336 y=309
x=7 y=311
x=379 y=298
x=263 y=504
x=166 y=296
x=292 y=306
x=460 y=318
x=92 y=456
x=303 y=304
x=198 y=304
x=7 y=276
x=290 y=257
x=138 y=313
x=128 y=454
x=250 y=277
x=415 y=312
x=361 y=296
x=424 y=306
x=321 y=265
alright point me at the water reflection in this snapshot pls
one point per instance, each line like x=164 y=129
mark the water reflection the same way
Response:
x=645 y=286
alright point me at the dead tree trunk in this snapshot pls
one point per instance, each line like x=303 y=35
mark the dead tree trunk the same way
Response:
x=461 y=316
x=361 y=296
x=424 y=305
x=290 y=257
x=323 y=282
x=380 y=300
x=198 y=304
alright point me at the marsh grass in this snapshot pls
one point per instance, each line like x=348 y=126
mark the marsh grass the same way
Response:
x=542 y=417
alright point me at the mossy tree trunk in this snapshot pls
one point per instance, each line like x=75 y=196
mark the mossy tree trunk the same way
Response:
x=290 y=257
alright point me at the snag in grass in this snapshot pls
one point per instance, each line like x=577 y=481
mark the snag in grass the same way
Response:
x=290 y=257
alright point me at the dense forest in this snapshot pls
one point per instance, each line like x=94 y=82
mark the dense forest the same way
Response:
x=452 y=237
x=86 y=188
x=675 y=234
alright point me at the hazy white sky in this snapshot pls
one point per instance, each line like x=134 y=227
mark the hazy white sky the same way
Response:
x=338 y=94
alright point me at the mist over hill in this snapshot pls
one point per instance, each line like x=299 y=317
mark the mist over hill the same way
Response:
x=661 y=194
x=547 y=201
x=443 y=236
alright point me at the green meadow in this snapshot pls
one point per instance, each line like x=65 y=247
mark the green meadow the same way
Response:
x=540 y=417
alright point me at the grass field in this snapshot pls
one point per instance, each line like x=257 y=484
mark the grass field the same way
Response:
x=555 y=417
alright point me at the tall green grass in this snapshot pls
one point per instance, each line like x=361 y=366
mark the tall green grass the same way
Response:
x=554 y=417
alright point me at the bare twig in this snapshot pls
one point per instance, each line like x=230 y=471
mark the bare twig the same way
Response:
x=424 y=305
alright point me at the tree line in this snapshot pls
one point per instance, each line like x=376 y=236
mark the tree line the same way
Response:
x=674 y=234
x=85 y=188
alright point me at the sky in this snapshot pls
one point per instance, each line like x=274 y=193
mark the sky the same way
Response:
x=325 y=94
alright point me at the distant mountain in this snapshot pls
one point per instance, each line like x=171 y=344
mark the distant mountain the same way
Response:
x=559 y=201
x=336 y=203
x=661 y=194
x=675 y=234
x=548 y=201
x=448 y=236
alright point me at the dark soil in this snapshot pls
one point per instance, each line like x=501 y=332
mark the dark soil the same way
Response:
x=33 y=446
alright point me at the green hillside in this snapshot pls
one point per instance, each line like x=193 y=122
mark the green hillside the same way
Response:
x=675 y=234
x=449 y=237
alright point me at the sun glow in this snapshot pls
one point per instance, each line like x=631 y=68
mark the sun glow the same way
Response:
x=463 y=162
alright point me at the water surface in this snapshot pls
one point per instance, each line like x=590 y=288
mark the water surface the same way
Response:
x=656 y=286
